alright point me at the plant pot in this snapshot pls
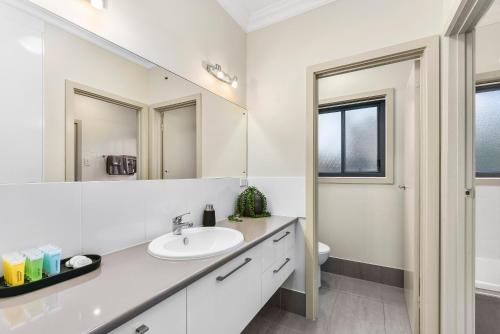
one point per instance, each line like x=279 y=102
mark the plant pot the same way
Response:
x=258 y=206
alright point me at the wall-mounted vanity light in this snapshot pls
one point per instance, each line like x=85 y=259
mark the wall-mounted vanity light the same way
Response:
x=99 y=4
x=216 y=71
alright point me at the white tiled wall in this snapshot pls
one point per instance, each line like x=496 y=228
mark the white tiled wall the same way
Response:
x=101 y=217
x=286 y=195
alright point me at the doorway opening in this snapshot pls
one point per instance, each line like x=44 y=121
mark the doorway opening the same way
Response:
x=401 y=167
x=175 y=137
x=106 y=136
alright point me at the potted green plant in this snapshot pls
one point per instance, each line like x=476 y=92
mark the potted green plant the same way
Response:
x=250 y=203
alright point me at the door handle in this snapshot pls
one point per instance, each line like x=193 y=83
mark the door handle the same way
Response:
x=279 y=239
x=221 y=278
x=402 y=186
x=275 y=271
x=142 y=329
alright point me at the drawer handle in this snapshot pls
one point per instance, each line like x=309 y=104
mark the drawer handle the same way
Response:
x=275 y=271
x=279 y=239
x=142 y=329
x=221 y=278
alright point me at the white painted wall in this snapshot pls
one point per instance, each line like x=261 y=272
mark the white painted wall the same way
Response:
x=487 y=48
x=21 y=93
x=488 y=222
x=279 y=55
x=107 y=129
x=364 y=222
x=176 y=34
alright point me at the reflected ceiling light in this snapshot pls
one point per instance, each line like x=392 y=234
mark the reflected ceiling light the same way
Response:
x=216 y=71
x=99 y=4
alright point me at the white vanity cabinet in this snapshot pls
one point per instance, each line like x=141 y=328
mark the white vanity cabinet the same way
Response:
x=278 y=261
x=169 y=316
x=226 y=300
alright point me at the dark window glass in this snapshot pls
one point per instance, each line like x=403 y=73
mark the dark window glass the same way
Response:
x=351 y=140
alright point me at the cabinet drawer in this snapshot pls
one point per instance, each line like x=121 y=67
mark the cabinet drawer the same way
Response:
x=167 y=316
x=276 y=275
x=226 y=300
x=275 y=247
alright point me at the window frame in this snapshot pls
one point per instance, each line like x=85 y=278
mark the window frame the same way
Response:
x=386 y=149
x=480 y=176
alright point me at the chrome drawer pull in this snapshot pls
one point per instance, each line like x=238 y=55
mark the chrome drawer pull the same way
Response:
x=279 y=239
x=275 y=271
x=221 y=278
x=142 y=329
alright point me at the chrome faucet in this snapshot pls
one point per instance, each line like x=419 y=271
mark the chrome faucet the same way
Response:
x=178 y=224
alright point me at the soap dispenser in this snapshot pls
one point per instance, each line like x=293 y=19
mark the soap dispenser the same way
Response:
x=209 y=216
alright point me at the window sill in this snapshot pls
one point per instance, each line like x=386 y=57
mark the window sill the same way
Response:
x=357 y=180
x=487 y=181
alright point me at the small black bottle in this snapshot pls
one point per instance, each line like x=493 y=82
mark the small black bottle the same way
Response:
x=209 y=216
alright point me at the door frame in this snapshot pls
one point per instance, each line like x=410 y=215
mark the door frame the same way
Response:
x=427 y=50
x=457 y=169
x=155 y=143
x=73 y=89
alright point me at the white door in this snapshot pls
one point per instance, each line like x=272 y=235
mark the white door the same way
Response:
x=411 y=198
x=179 y=143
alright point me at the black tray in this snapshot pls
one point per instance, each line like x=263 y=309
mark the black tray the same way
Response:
x=64 y=275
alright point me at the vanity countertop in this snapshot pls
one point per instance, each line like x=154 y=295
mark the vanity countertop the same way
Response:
x=128 y=283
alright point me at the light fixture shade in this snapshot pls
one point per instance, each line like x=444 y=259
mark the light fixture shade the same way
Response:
x=234 y=84
x=99 y=4
x=216 y=71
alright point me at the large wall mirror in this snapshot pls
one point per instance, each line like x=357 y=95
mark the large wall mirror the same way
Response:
x=80 y=108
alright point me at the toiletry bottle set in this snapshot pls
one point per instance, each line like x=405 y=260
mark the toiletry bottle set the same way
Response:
x=30 y=264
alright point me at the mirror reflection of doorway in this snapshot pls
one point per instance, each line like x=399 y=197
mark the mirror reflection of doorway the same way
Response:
x=106 y=136
x=179 y=142
x=175 y=139
x=104 y=129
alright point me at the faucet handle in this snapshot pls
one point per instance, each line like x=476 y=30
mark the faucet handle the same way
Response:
x=178 y=219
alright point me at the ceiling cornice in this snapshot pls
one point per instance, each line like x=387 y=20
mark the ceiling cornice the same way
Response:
x=273 y=13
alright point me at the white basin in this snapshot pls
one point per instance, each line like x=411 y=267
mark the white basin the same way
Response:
x=195 y=243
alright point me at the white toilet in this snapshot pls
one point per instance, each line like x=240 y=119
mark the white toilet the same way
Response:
x=323 y=254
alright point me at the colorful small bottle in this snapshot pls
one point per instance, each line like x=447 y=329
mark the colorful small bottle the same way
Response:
x=34 y=264
x=51 y=260
x=13 y=267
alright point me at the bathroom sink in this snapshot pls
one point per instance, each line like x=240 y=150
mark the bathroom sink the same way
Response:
x=195 y=243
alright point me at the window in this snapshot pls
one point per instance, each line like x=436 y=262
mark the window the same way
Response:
x=351 y=140
x=487 y=131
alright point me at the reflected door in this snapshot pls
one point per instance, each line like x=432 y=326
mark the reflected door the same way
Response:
x=411 y=199
x=179 y=143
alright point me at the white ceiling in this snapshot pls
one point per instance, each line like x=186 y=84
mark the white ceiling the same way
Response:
x=255 y=14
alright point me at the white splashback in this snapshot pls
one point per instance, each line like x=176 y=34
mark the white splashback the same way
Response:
x=102 y=217
x=286 y=196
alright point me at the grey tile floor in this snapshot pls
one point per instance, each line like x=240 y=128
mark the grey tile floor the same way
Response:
x=347 y=306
